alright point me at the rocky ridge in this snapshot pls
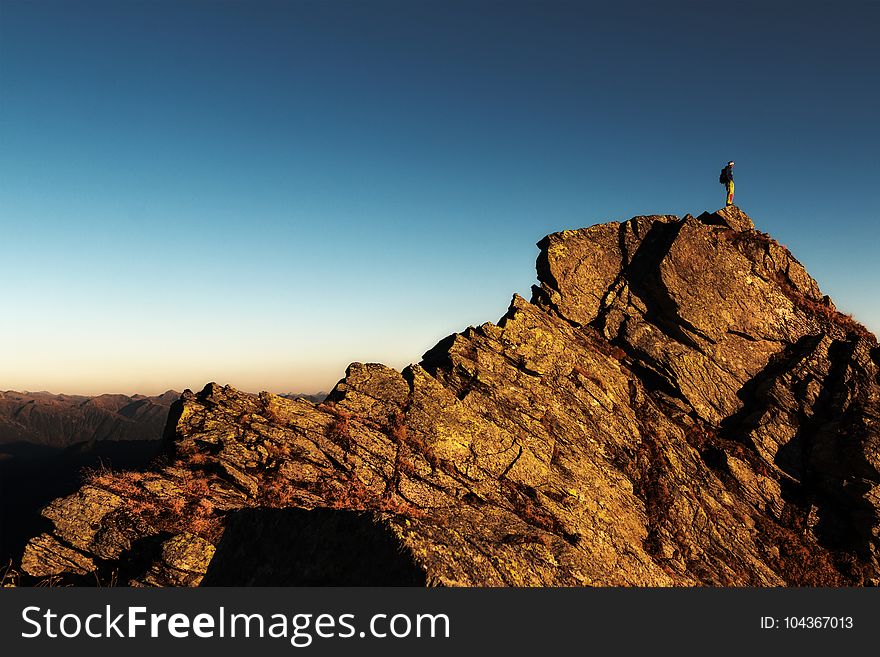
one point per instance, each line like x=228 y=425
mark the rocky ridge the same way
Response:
x=677 y=405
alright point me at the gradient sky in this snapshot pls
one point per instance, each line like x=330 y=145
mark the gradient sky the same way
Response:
x=258 y=193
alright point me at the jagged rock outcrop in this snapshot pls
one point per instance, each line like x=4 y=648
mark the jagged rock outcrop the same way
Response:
x=677 y=405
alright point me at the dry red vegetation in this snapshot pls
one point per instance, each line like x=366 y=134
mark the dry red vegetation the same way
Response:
x=183 y=509
x=820 y=307
x=526 y=505
x=813 y=307
x=339 y=430
x=581 y=371
x=797 y=559
x=415 y=442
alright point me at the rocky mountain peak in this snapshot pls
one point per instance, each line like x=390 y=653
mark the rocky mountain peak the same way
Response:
x=678 y=404
x=702 y=304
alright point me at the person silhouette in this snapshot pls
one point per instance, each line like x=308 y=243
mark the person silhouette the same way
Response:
x=726 y=179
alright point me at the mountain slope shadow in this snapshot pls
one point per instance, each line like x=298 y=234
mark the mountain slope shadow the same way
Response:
x=32 y=475
x=317 y=547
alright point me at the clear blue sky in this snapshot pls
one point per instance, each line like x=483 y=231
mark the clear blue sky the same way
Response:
x=259 y=192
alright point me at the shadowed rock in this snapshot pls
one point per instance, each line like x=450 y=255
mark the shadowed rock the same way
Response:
x=321 y=547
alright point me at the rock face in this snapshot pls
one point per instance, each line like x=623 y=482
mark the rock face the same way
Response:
x=677 y=405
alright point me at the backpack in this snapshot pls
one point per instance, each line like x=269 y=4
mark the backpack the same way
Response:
x=723 y=177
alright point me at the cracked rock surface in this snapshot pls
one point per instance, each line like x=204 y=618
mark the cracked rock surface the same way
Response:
x=677 y=405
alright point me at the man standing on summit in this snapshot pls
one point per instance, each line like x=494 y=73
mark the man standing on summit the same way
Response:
x=726 y=179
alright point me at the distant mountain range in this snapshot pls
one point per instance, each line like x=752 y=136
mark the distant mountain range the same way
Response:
x=49 y=420
x=316 y=397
